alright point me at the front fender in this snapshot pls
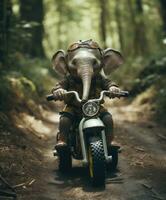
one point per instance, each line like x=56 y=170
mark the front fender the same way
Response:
x=93 y=123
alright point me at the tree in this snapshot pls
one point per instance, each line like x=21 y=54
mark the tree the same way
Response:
x=119 y=24
x=140 y=43
x=5 y=22
x=140 y=34
x=163 y=14
x=103 y=22
x=59 y=6
x=32 y=13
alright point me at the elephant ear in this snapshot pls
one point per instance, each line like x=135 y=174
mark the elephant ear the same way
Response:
x=112 y=59
x=59 y=63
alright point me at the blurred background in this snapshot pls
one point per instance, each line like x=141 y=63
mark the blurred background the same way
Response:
x=31 y=31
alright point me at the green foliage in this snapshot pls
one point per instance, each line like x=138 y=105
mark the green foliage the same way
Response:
x=134 y=27
x=21 y=27
x=39 y=72
x=6 y=95
x=69 y=21
x=29 y=79
x=14 y=89
x=153 y=76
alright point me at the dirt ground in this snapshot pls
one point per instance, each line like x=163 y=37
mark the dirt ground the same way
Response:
x=141 y=171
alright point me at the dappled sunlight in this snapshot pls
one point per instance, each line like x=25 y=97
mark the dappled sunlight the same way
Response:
x=35 y=61
x=130 y=113
x=36 y=126
x=50 y=116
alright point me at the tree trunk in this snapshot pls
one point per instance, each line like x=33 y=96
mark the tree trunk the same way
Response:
x=140 y=42
x=5 y=22
x=32 y=12
x=119 y=24
x=59 y=24
x=163 y=15
x=133 y=25
x=103 y=22
x=140 y=35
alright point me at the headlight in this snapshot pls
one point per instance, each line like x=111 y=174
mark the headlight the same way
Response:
x=90 y=109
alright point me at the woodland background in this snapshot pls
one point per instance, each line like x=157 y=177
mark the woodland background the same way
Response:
x=32 y=30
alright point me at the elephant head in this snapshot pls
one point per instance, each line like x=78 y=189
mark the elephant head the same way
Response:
x=85 y=59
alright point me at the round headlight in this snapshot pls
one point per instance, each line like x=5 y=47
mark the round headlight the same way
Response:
x=90 y=109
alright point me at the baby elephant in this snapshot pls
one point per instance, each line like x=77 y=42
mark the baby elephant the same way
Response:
x=81 y=67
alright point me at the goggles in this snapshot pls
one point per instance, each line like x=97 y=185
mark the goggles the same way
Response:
x=84 y=44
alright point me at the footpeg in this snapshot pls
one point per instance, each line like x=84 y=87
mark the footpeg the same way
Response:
x=108 y=159
x=55 y=153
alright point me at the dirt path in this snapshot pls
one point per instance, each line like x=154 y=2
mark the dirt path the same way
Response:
x=141 y=172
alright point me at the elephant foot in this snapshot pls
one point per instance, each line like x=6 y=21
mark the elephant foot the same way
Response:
x=61 y=142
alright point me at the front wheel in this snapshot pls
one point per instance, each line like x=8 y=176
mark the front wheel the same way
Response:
x=96 y=163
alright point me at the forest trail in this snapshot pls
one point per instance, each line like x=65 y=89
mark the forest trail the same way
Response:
x=31 y=33
x=141 y=173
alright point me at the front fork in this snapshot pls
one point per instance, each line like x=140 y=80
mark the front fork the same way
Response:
x=107 y=157
x=84 y=146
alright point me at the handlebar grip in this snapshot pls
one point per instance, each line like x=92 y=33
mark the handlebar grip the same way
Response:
x=124 y=93
x=50 y=97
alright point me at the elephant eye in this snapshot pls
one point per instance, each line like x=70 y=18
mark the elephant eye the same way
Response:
x=74 y=62
x=95 y=63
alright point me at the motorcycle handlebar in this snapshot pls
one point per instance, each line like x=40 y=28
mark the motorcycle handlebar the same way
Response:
x=113 y=94
x=51 y=97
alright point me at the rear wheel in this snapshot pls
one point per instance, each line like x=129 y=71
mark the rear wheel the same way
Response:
x=65 y=160
x=96 y=163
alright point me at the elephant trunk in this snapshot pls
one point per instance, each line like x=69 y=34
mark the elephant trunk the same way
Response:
x=86 y=76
